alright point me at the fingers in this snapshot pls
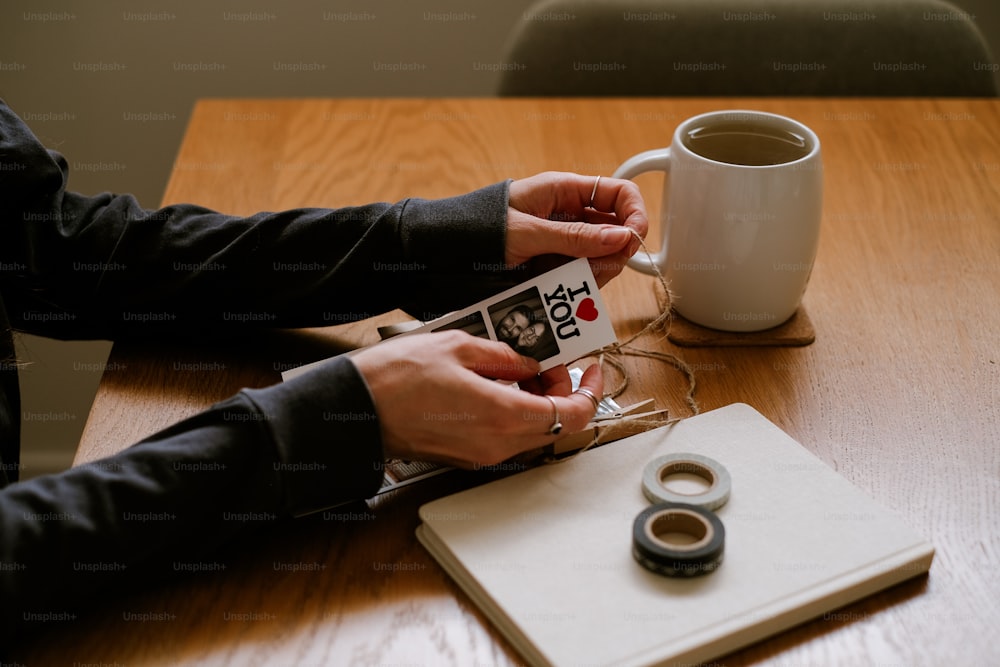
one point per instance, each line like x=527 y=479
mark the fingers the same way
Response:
x=553 y=213
x=564 y=192
x=437 y=399
x=553 y=193
x=573 y=411
x=529 y=236
x=496 y=360
x=556 y=381
x=593 y=379
x=623 y=198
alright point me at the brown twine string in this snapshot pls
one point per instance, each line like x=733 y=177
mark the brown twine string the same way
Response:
x=613 y=355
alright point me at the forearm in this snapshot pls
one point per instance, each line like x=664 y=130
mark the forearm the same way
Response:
x=110 y=268
x=103 y=266
x=261 y=456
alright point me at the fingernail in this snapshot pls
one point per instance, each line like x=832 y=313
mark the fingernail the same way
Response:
x=614 y=235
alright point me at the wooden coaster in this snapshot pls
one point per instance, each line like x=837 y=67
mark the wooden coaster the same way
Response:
x=797 y=330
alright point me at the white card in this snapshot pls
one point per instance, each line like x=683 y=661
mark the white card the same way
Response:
x=554 y=318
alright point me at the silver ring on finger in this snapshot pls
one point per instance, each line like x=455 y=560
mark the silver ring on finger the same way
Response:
x=589 y=394
x=557 y=426
x=593 y=193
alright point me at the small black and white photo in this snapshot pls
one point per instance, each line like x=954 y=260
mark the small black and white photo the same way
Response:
x=520 y=321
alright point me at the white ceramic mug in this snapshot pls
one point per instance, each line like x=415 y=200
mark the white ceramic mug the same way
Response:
x=741 y=216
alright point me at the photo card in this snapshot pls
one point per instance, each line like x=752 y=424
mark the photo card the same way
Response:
x=554 y=318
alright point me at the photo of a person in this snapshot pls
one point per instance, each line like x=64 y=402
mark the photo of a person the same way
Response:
x=520 y=322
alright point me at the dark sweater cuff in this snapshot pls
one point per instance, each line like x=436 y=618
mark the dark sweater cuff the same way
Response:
x=460 y=234
x=327 y=435
x=454 y=250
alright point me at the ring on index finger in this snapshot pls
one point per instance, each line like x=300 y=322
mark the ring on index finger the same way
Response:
x=556 y=427
x=589 y=394
x=593 y=193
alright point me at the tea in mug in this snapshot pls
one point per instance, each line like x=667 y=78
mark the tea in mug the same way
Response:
x=745 y=143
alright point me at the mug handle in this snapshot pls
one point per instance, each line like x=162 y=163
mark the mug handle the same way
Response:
x=657 y=159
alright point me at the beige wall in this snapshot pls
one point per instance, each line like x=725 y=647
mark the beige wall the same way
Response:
x=111 y=85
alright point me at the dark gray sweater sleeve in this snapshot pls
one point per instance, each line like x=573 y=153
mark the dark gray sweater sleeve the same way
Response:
x=74 y=267
x=175 y=497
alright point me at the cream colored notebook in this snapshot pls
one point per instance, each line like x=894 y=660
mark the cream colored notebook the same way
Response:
x=546 y=554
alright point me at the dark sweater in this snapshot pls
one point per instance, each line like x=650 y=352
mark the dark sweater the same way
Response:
x=73 y=266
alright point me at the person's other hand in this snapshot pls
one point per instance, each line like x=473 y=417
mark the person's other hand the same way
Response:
x=437 y=398
x=551 y=214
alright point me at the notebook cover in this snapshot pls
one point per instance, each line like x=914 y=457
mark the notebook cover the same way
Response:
x=546 y=554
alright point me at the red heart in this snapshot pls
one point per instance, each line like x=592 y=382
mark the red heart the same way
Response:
x=586 y=310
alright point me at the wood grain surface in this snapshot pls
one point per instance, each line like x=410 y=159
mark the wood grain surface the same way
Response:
x=899 y=392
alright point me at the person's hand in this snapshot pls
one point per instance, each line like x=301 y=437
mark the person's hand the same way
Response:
x=437 y=398
x=551 y=214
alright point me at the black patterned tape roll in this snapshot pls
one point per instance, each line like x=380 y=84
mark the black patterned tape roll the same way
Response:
x=699 y=553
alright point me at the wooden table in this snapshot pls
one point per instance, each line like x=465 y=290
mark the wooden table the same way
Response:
x=899 y=392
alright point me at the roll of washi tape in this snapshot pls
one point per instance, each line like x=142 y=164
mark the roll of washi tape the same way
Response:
x=654 y=480
x=678 y=540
